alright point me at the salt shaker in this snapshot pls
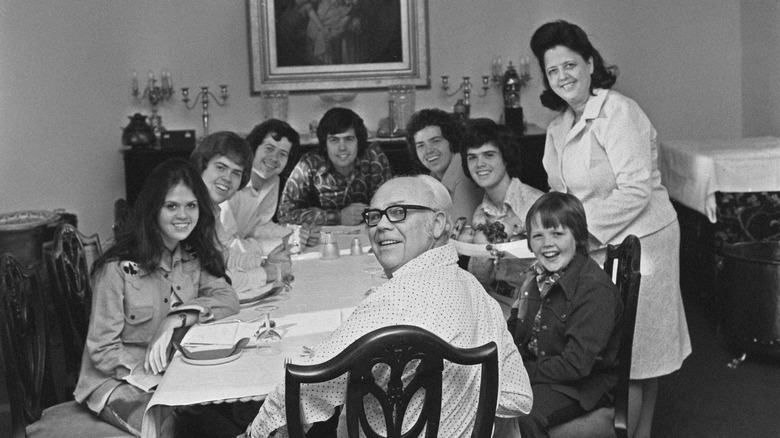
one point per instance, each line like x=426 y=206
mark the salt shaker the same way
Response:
x=355 y=248
x=330 y=249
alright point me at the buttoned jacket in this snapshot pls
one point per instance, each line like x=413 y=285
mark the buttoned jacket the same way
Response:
x=128 y=305
x=609 y=160
x=579 y=334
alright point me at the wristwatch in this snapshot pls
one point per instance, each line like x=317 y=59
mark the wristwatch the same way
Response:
x=183 y=317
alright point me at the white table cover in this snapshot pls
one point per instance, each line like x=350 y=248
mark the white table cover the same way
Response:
x=324 y=293
x=693 y=171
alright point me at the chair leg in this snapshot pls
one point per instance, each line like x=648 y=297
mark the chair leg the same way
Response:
x=642 y=397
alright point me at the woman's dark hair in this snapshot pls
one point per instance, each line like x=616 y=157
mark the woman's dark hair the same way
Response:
x=338 y=120
x=451 y=130
x=141 y=241
x=560 y=209
x=571 y=36
x=278 y=130
x=479 y=132
x=227 y=144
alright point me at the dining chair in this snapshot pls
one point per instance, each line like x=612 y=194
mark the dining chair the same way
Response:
x=69 y=261
x=395 y=347
x=23 y=341
x=613 y=421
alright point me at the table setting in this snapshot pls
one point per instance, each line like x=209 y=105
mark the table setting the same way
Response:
x=242 y=357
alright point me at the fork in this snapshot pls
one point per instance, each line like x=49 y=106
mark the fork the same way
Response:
x=287 y=360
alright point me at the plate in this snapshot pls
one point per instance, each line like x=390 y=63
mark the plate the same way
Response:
x=515 y=249
x=263 y=293
x=218 y=361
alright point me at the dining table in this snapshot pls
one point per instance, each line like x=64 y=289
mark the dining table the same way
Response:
x=323 y=294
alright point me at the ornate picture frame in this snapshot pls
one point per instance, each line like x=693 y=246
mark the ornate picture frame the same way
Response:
x=330 y=45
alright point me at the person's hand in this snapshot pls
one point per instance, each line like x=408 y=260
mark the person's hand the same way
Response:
x=280 y=254
x=157 y=352
x=309 y=235
x=352 y=213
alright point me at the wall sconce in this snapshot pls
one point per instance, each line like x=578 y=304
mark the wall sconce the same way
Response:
x=155 y=94
x=204 y=99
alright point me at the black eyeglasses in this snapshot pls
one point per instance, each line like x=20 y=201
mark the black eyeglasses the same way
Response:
x=394 y=213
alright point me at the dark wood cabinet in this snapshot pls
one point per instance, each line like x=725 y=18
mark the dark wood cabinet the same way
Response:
x=139 y=162
x=532 y=151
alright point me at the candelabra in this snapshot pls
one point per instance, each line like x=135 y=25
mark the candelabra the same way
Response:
x=462 y=106
x=155 y=94
x=204 y=95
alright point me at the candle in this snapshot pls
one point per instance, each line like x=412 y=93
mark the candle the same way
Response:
x=164 y=79
x=135 y=81
x=150 y=82
x=496 y=66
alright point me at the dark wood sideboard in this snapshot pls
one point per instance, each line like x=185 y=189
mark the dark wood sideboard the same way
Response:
x=139 y=162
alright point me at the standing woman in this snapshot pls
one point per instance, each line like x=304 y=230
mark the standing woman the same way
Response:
x=164 y=272
x=602 y=148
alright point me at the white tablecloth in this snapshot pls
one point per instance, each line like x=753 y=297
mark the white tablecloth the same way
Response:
x=323 y=294
x=693 y=171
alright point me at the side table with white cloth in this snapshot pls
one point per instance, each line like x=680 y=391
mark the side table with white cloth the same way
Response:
x=706 y=179
x=324 y=293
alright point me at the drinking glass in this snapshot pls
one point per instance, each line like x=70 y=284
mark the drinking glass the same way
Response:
x=284 y=277
x=267 y=339
x=377 y=278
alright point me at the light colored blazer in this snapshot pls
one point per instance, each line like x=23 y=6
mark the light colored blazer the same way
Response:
x=608 y=160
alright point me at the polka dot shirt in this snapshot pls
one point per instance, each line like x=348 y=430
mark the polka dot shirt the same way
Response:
x=431 y=292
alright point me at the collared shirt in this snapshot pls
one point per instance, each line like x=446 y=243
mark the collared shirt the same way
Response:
x=517 y=201
x=431 y=292
x=316 y=191
x=253 y=210
x=243 y=257
x=609 y=161
x=129 y=304
x=579 y=331
x=519 y=198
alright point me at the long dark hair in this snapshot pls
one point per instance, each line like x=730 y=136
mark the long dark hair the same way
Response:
x=141 y=242
x=571 y=36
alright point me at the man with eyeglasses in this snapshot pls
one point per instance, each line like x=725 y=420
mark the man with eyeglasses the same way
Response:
x=408 y=225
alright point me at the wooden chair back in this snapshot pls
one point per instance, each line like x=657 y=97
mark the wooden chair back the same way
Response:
x=395 y=347
x=22 y=341
x=627 y=278
x=70 y=260
x=622 y=263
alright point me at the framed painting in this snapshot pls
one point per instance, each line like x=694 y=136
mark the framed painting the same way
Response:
x=329 y=45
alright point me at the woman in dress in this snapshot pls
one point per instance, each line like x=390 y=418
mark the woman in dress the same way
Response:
x=163 y=272
x=602 y=148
